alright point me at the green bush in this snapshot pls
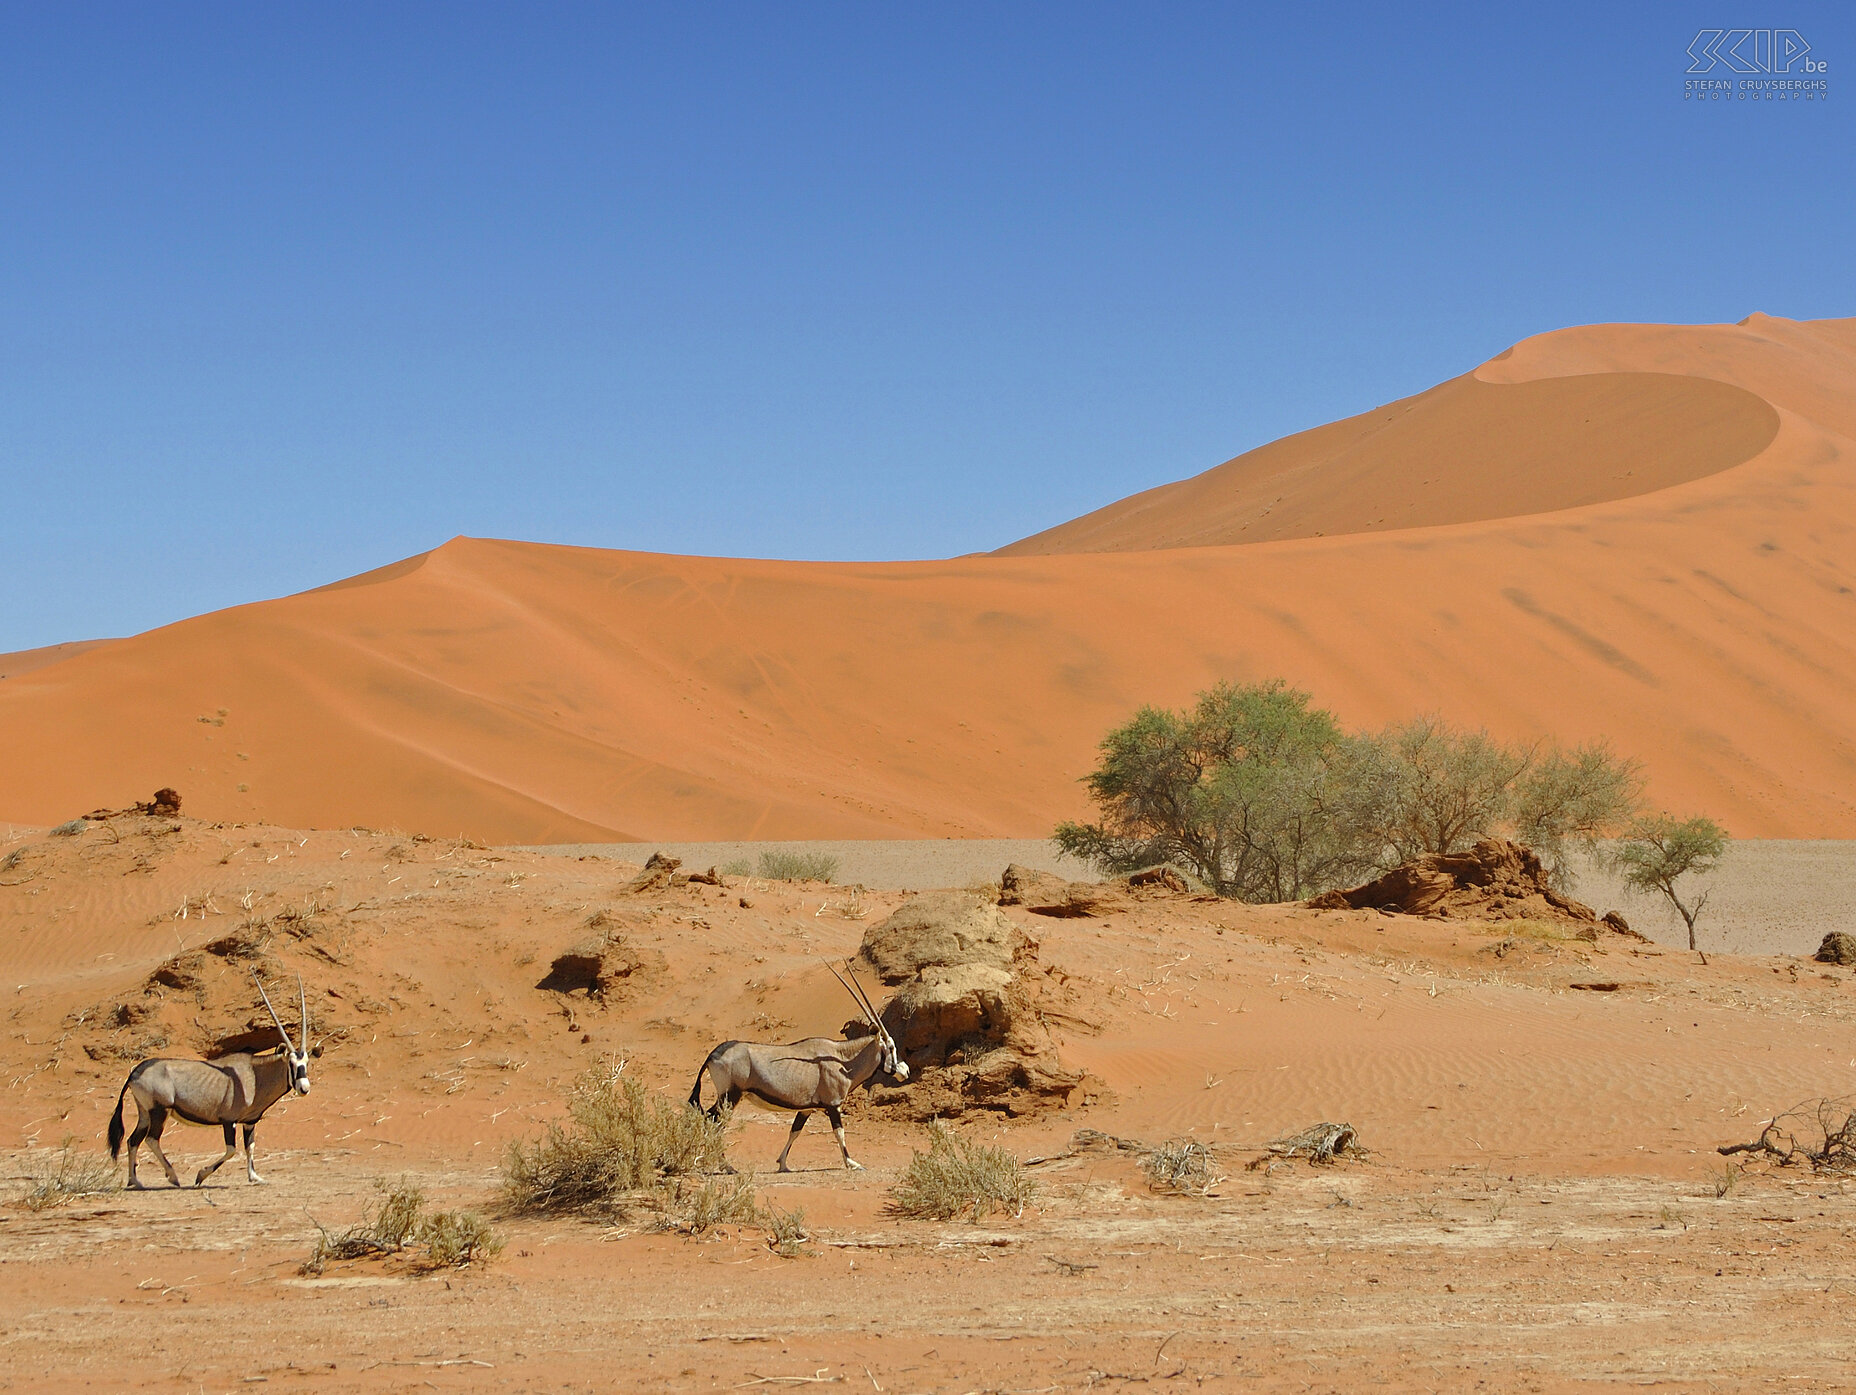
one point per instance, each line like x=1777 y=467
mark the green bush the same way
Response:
x=959 y=1177
x=1266 y=798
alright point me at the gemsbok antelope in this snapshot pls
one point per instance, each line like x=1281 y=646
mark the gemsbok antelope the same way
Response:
x=817 y=1073
x=232 y=1091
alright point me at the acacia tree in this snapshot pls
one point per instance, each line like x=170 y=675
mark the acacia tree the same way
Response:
x=1659 y=849
x=1265 y=798
x=1244 y=789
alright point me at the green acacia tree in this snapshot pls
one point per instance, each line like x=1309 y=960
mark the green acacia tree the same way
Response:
x=1246 y=789
x=1658 y=850
x=1264 y=797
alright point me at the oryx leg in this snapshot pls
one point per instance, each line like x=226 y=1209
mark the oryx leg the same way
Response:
x=251 y=1172
x=837 y=1129
x=214 y=1166
x=135 y=1142
x=799 y=1122
x=157 y=1120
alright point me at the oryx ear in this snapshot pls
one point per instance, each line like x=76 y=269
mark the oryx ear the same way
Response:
x=273 y=1011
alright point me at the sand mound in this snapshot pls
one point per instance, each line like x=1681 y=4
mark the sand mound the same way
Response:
x=1495 y=880
x=964 y=1016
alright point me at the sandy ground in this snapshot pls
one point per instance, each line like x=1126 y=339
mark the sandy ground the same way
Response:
x=1770 y=896
x=1543 y=1206
x=517 y=693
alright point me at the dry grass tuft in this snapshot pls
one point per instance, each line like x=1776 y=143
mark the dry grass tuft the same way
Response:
x=618 y=1139
x=959 y=1177
x=68 y=1173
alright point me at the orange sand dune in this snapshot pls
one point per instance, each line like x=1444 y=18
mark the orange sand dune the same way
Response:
x=525 y=693
x=1464 y=451
x=25 y=660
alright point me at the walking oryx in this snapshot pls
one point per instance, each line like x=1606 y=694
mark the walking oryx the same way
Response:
x=231 y=1091
x=817 y=1073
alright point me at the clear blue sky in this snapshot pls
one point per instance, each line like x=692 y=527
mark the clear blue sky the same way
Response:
x=291 y=291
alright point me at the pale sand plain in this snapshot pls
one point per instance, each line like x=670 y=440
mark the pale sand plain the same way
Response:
x=1769 y=896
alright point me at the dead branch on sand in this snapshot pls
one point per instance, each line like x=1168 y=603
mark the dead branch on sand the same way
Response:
x=1820 y=1132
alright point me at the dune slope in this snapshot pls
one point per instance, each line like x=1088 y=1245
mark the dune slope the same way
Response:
x=516 y=692
x=1465 y=450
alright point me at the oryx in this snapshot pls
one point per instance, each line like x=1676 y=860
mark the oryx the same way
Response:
x=817 y=1073
x=231 y=1091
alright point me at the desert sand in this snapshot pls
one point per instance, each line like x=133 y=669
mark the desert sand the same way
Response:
x=416 y=787
x=1542 y=1208
x=520 y=693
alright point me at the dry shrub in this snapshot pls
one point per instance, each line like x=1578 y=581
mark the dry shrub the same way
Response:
x=786 y=1230
x=455 y=1238
x=397 y=1220
x=1181 y=1165
x=66 y=1174
x=618 y=1138
x=715 y=1202
x=1319 y=1143
x=959 y=1177
x=385 y=1227
x=71 y=829
x=785 y=865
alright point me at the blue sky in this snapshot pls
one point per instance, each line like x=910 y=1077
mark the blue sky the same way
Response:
x=288 y=292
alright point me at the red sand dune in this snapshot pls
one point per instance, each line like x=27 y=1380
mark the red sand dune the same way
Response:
x=525 y=693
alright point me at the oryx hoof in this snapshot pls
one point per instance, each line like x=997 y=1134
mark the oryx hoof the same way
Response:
x=851 y=1164
x=255 y=1179
x=781 y=1166
x=135 y=1185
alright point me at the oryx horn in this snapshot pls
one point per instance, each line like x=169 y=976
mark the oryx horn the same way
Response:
x=273 y=1011
x=857 y=998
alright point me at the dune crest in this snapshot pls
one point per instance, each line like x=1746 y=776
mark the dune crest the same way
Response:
x=526 y=693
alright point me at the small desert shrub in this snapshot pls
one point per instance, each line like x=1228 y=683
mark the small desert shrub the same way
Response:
x=740 y=867
x=1181 y=1165
x=397 y=1220
x=12 y=859
x=715 y=1202
x=959 y=1177
x=786 y=1230
x=68 y=1173
x=71 y=829
x=453 y=1238
x=618 y=1138
x=785 y=865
